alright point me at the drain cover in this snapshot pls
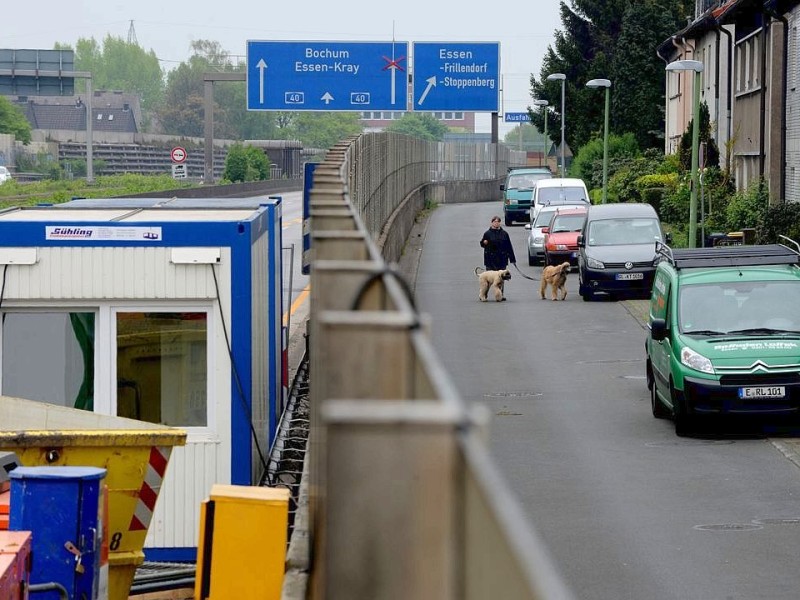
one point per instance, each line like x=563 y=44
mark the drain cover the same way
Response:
x=729 y=527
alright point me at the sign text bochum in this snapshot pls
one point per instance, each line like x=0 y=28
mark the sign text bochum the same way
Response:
x=353 y=76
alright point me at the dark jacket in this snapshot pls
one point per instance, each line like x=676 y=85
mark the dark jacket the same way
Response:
x=499 y=252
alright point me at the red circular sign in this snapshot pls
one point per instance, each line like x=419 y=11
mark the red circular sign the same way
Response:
x=178 y=154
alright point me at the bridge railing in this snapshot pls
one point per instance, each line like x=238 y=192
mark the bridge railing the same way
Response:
x=405 y=499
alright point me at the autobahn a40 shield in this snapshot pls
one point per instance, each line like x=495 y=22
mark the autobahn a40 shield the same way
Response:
x=352 y=76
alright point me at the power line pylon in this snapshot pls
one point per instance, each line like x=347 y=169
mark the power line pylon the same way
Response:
x=132 y=35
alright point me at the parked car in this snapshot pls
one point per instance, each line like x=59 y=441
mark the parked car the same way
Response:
x=617 y=250
x=724 y=332
x=5 y=175
x=558 y=190
x=537 y=228
x=518 y=190
x=561 y=237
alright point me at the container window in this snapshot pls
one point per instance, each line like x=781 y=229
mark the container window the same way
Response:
x=162 y=367
x=49 y=357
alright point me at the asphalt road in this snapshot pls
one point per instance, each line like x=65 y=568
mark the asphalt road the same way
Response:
x=627 y=509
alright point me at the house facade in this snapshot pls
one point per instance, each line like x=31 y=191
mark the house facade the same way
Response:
x=749 y=52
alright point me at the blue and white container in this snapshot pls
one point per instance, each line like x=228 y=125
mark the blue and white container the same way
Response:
x=168 y=312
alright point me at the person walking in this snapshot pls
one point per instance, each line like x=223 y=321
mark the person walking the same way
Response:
x=497 y=248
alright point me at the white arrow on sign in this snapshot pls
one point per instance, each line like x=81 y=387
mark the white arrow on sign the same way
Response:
x=262 y=66
x=326 y=97
x=431 y=84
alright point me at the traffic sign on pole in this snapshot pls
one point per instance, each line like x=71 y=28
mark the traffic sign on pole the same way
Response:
x=178 y=154
x=517 y=117
x=456 y=76
x=353 y=76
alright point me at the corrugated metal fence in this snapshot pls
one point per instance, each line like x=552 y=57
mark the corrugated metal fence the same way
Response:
x=405 y=500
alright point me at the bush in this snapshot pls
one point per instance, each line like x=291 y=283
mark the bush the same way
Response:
x=747 y=208
x=245 y=163
x=781 y=219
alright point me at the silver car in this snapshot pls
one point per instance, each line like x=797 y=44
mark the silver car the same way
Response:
x=5 y=175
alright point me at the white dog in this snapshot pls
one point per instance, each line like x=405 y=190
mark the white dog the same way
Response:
x=488 y=279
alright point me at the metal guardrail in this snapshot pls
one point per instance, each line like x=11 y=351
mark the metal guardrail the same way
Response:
x=405 y=500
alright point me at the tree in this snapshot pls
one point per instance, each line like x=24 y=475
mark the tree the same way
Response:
x=324 y=129
x=13 y=121
x=612 y=39
x=246 y=163
x=711 y=157
x=119 y=65
x=588 y=162
x=423 y=125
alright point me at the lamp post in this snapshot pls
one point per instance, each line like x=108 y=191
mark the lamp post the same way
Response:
x=604 y=83
x=697 y=67
x=562 y=78
x=544 y=104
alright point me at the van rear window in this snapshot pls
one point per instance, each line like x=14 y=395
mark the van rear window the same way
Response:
x=561 y=193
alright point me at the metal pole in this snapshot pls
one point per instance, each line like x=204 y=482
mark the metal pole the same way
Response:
x=695 y=160
x=545 y=138
x=89 y=132
x=605 y=147
x=208 y=143
x=563 y=124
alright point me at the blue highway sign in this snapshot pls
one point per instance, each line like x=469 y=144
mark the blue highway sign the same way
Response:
x=353 y=76
x=456 y=76
x=517 y=117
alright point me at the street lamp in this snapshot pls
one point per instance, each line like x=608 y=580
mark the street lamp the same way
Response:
x=562 y=78
x=544 y=104
x=604 y=83
x=697 y=67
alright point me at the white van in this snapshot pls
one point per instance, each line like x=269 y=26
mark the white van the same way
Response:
x=557 y=191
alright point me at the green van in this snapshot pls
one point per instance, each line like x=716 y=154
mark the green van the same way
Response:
x=518 y=191
x=724 y=332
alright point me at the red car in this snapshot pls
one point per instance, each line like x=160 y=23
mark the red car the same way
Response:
x=561 y=238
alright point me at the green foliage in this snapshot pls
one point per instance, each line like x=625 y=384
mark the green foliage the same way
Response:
x=705 y=135
x=119 y=65
x=624 y=171
x=588 y=163
x=653 y=187
x=13 y=121
x=324 y=129
x=421 y=125
x=747 y=208
x=780 y=219
x=53 y=191
x=613 y=39
x=245 y=163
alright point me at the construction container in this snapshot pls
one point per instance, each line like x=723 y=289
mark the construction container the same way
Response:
x=135 y=460
x=243 y=543
x=162 y=313
x=62 y=508
x=15 y=564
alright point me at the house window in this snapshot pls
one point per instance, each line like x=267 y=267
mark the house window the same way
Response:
x=49 y=357
x=458 y=116
x=162 y=367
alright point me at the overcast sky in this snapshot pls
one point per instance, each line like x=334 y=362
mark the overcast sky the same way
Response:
x=524 y=29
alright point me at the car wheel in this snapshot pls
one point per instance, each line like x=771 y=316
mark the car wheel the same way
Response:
x=509 y=221
x=584 y=292
x=659 y=410
x=531 y=260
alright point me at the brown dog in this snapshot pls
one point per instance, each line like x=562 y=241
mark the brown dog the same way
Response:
x=496 y=279
x=556 y=278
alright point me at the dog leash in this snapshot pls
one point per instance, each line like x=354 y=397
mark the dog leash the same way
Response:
x=523 y=274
